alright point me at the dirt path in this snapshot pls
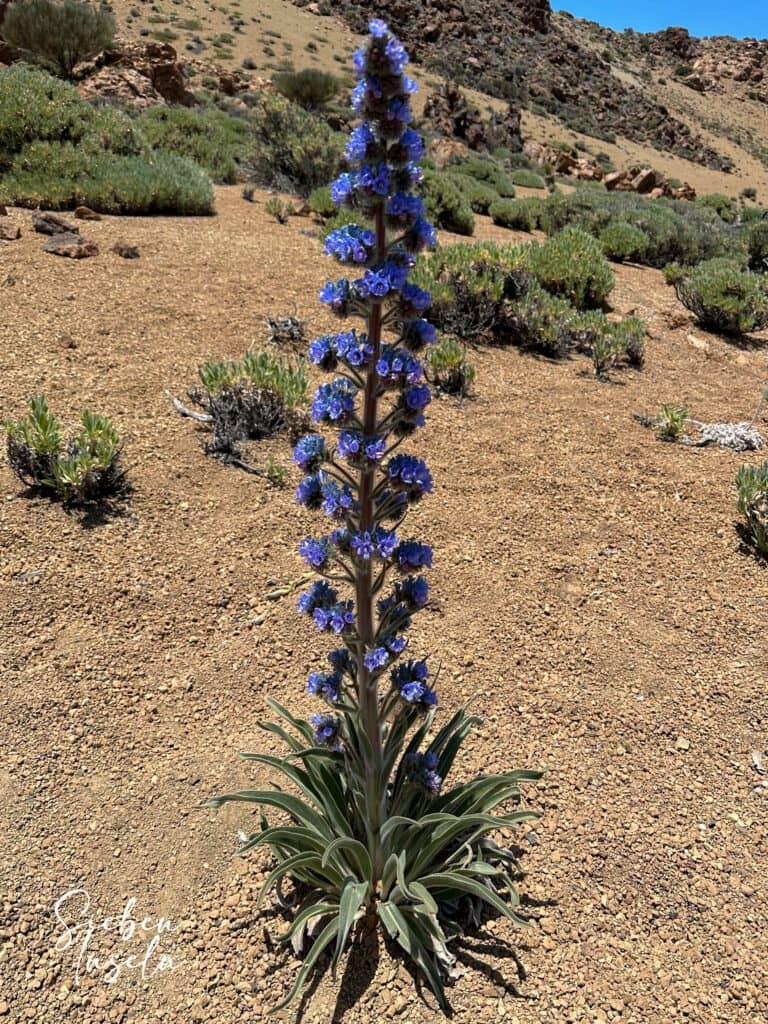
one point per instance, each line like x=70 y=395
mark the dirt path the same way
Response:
x=592 y=590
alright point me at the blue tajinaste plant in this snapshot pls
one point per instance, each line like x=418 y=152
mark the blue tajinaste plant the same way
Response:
x=374 y=827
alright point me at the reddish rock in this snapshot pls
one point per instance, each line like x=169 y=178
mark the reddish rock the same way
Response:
x=71 y=245
x=126 y=250
x=85 y=213
x=645 y=180
x=9 y=231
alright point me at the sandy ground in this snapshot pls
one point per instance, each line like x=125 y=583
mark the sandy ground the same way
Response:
x=593 y=591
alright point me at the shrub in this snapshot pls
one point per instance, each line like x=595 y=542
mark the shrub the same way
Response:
x=752 y=484
x=725 y=207
x=84 y=470
x=293 y=150
x=528 y=179
x=517 y=214
x=446 y=205
x=671 y=422
x=310 y=88
x=370 y=830
x=479 y=195
x=572 y=265
x=630 y=339
x=756 y=237
x=281 y=211
x=749 y=193
x=541 y=322
x=724 y=298
x=214 y=140
x=448 y=367
x=61 y=176
x=249 y=399
x=622 y=241
x=320 y=202
x=61 y=32
x=485 y=170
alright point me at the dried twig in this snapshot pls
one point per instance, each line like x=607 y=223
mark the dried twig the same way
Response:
x=182 y=410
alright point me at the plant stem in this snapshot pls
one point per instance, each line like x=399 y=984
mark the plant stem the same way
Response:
x=368 y=696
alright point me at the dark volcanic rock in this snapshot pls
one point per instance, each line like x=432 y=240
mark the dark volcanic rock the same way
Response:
x=53 y=224
x=74 y=246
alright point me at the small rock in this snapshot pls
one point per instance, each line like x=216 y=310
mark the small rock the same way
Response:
x=53 y=224
x=128 y=252
x=71 y=245
x=683 y=743
x=9 y=232
x=86 y=213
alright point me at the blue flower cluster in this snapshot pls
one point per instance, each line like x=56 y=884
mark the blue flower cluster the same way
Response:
x=320 y=491
x=409 y=474
x=412 y=555
x=321 y=601
x=350 y=244
x=389 y=276
x=367 y=543
x=410 y=679
x=327 y=729
x=418 y=333
x=356 y=448
x=396 y=366
x=390 y=647
x=324 y=684
x=310 y=451
x=350 y=347
x=334 y=402
x=421 y=770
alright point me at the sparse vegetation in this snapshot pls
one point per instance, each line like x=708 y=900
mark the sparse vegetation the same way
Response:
x=671 y=422
x=278 y=209
x=448 y=368
x=61 y=33
x=723 y=296
x=310 y=88
x=752 y=485
x=82 y=470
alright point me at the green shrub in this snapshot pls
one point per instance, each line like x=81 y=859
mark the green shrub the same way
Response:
x=528 y=179
x=479 y=195
x=310 y=88
x=485 y=170
x=756 y=237
x=85 y=469
x=608 y=343
x=61 y=32
x=214 y=140
x=320 y=202
x=752 y=484
x=671 y=422
x=725 y=298
x=622 y=241
x=446 y=206
x=725 y=207
x=61 y=176
x=673 y=273
x=517 y=214
x=293 y=149
x=630 y=339
x=281 y=211
x=448 y=368
x=540 y=321
x=572 y=265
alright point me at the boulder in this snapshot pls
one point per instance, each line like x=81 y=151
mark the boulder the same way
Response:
x=645 y=180
x=71 y=245
x=126 y=250
x=53 y=224
x=85 y=213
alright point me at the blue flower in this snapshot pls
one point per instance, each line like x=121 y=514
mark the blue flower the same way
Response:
x=366 y=543
x=361 y=143
x=341 y=188
x=410 y=145
x=350 y=244
x=377 y=658
x=354 y=349
x=396 y=55
x=321 y=352
x=411 y=555
x=337 y=501
x=397 y=366
x=410 y=679
x=415 y=592
x=349 y=444
x=336 y=618
x=421 y=770
x=310 y=491
x=418 y=333
x=378 y=28
x=374 y=180
x=417 y=398
x=403 y=208
x=324 y=684
x=410 y=474
x=385 y=278
x=415 y=299
x=336 y=295
x=320 y=595
x=327 y=729
x=334 y=402
x=340 y=660
x=375 y=447
x=420 y=235
x=309 y=451
x=315 y=552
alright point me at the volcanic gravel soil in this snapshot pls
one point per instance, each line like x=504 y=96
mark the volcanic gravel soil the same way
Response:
x=592 y=591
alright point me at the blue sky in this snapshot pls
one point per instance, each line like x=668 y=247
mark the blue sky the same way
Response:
x=700 y=17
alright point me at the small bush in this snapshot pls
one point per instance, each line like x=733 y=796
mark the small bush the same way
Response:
x=446 y=206
x=671 y=422
x=249 y=399
x=84 y=470
x=479 y=195
x=60 y=32
x=281 y=211
x=516 y=214
x=752 y=484
x=622 y=241
x=448 y=368
x=725 y=207
x=528 y=179
x=630 y=339
x=292 y=149
x=572 y=265
x=214 y=140
x=749 y=193
x=320 y=202
x=756 y=238
x=310 y=88
x=541 y=322
x=484 y=170
x=724 y=298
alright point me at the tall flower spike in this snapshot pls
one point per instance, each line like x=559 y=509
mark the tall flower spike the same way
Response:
x=376 y=831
